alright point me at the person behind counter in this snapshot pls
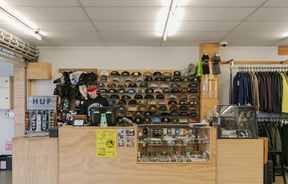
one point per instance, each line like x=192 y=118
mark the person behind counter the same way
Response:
x=93 y=100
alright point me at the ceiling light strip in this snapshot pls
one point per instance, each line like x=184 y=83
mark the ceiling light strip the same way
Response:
x=170 y=16
x=16 y=22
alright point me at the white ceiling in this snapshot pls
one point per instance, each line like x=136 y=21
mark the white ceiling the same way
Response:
x=132 y=22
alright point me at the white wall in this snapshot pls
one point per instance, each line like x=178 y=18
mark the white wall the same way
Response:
x=146 y=58
x=6 y=123
x=114 y=58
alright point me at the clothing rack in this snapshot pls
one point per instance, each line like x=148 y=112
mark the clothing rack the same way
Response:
x=255 y=62
x=261 y=68
x=260 y=64
x=272 y=117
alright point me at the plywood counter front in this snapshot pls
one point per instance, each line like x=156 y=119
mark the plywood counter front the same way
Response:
x=240 y=161
x=78 y=164
x=35 y=160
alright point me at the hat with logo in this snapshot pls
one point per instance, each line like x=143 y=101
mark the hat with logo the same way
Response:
x=103 y=78
x=120 y=85
x=157 y=73
x=128 y=79
x=176 y=73
x=115 y=79
x=136 y=74
x=165 y=119
x=148 y=78
x=147 y=74
x=102 y=90
x=115 y=73
x=138 y=96
x=132 y=85
x=148 y=96
x=112 y=90
x=157 y=90
x=158 y=79
x=175 y=90
x=167 y=78
x=114 y=96
x=132 y=102
x=163 y=108
x=100 y=84
x=131 y=91
x=125 y=73
x=111 y=85
x=177 y=79
x=104 y=73
x=125 y=97
x=139 y=79
x=160 y=96
x=122 y=102
x=111 y=102
x=166 y=90
x=121 y=90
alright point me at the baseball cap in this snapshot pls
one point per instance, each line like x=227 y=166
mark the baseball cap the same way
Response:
x=105 y=73
x=125 y=73
x=115 y=73
x=122 y=102
x=91 y=88
x=136 y=74
x=157 y=73
x=176 y=73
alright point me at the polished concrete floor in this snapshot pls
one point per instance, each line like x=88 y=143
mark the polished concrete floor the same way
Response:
x=6 y=178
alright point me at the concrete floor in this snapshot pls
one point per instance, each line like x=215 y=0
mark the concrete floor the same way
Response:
x=6 y=178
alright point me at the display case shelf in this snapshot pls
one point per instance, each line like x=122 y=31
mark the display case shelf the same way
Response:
x=173 y=143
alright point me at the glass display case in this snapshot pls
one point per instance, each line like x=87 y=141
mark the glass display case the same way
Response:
x=237 y=122
x=173 y=143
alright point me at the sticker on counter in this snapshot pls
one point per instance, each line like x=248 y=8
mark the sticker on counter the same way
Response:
x=106 y=143
x=130 y=138
x=121 y=137
x=126 y=137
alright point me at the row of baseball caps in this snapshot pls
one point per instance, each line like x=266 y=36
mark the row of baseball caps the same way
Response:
x=134 y=102
x=150 y=90
x=155 y=119
x=152 y=111
x=159 y=108
x=145 y=85
x=151 y=97
x=136 y=73
x=148 y=116
x=150 y=78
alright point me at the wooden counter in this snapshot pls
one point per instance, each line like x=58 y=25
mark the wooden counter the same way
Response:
x=78 y=164
x=71 y=159
x=35 y=160
x=240 y=161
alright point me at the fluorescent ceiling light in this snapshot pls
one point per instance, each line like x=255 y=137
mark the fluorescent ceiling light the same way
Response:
x=169 y=19
x=285 y=35
x=19 y=23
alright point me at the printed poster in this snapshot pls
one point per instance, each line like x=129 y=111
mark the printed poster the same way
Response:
x=106 y=143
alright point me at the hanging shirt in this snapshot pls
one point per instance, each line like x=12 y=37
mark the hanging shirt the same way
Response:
x=284 y=93
x=255 y=91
